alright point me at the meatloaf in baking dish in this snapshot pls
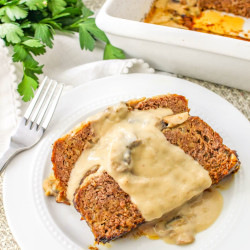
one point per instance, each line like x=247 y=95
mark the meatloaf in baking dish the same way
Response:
x=210 y=16
x=237 y=7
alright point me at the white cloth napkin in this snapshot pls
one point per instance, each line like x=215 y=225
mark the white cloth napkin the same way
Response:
x=9 y=103
x=66 y=63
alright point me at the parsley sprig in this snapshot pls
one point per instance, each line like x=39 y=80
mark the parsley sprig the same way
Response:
x=29 y=26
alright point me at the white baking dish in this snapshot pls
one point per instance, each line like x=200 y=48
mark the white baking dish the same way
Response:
x=204 y=56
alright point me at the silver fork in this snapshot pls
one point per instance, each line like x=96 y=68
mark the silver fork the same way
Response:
x=35 y=121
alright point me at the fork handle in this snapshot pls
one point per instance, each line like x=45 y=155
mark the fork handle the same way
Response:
x=8 y=155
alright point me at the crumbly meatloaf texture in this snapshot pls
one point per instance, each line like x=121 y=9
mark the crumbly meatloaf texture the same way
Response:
x=237 y=7
x=201 y=142
x=106 y=208
x=176 y=103
x=67 y=149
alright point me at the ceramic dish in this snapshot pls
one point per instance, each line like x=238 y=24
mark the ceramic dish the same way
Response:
x=204 y=56
x=38 y=222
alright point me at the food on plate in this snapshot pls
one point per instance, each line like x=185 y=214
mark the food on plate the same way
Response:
x=202 y=15
x=138 y=163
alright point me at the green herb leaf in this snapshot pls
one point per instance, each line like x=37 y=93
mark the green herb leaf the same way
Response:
x=14 y=12
x=34 y=46
x=36 y=4
x=5 y=19
x=12 y=32
x=43 y=32
x=56 y=6
x=13 y=2
x=31 y=67
x=88 y=31
x=37 y=51
x=36 y=70
x=3 y=2
x=72 y=11
x=26 y=88
x=30 y=62
x=52 y=24
x=91 y=27
x=112 y=52
x=33 y=43
x=60 y=15
x=86 y=40
x=86 y=12
x=2 y=11
x=26 y=24
x=20 y=53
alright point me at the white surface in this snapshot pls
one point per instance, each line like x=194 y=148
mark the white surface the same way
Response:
x=199 y=55
x=38 y=222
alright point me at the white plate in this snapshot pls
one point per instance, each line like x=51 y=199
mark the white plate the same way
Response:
x=38 y=222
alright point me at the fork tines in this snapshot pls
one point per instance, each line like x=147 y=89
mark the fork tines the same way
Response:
x=42 y=107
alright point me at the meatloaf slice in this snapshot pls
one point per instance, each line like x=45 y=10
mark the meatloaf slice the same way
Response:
x=206 y=146
x=106 y=208
x=68 y=148
x=237 y=7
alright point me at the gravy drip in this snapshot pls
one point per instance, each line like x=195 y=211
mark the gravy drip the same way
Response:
x=180 y=226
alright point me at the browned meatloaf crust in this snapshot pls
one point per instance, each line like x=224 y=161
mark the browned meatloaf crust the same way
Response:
x=237 y=7
x=106 y=208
